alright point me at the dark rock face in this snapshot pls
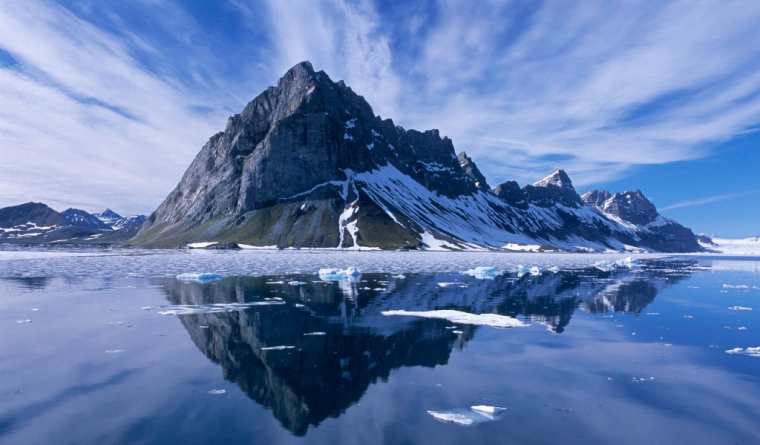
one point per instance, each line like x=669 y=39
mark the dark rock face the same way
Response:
x=36 y=223
x=308 y=164
x=471 y=170
x=512 y=194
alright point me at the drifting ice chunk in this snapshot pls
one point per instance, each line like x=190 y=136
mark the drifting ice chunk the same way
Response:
x=24 y=321
x=476 y=414
x=202 y=245
x=188 y=309
x=483 y=272
x=535 y=271
x=494 y=320
x=487 y=410
x=315 y=333
x=202 y=277
x=277 y=348
x=751 y=351
x=739 y=308
x=216 y=392
x=609 y=266
x=349 y=274
x=460 y=417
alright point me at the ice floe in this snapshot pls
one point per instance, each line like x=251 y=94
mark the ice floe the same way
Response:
x=523 y=270
x=202 y=245
x=483 y=272
x=24 y=321
x=347 y=274
x=217 y=392
x=315 y=333
x=187 y=309
x=494 y=320
x=609 y=266
x=476 y=414
x=114 y=351
x=278 y=348
x=739 y=308
x=199 y=277
x=750 y=351
x=488 y=410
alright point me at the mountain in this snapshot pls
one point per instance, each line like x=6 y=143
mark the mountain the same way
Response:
x=80 y=218
x=108 y=216
x=308 y=164
x=37 y=223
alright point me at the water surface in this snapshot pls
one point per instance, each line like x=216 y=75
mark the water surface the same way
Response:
x=608 y=354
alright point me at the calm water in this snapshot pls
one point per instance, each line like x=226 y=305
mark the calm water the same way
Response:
x=630 y=355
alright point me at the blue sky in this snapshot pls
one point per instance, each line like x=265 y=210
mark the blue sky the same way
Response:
x=105 y=103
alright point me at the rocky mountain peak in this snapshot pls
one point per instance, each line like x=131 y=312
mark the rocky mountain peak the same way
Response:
x=558 y=178
x=631 y=206
x=557 y=187
x=596 y=198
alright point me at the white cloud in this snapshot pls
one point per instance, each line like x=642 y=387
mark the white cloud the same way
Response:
x=708 y=200
x=523 y=87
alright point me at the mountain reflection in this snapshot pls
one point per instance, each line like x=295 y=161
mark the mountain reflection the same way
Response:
x=334 y=341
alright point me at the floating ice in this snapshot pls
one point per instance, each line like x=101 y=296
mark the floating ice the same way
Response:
x=199 y=277
x=114 y=351
x=35 y=309
x=739 y=308
x=187 y=309
x=642 y=379
x=277 y=348
x=348 y=274
x=750 y=351
x=216 y=392
x=450 y=284
x=488 y=410
x=494 y=320
x=315 y=333
x=296 y=283
x=483 y=272
x=736 y=286
x=461 y=418
x=609 y=266
x=24 y=321
x=202 y=245
x=476 y=414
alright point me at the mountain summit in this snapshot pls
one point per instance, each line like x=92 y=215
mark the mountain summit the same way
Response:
x=308 y=164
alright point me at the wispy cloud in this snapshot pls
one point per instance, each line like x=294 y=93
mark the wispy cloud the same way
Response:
x=97 y=113
x=708 y=200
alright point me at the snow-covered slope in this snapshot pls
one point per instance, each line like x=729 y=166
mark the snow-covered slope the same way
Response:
x=733 y=246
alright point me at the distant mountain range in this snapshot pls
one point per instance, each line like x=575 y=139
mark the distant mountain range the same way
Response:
x=36 y=223
x=308 y=164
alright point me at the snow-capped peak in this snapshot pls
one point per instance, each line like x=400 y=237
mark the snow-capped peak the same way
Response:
x=558 y=178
